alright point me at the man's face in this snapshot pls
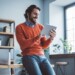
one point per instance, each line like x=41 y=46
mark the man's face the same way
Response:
x=34 y=15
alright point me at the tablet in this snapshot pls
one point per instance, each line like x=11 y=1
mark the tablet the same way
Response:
x=47 y=28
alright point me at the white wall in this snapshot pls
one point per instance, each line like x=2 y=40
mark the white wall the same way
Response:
x=57 y=19
x=46 y=11
x=14 y=9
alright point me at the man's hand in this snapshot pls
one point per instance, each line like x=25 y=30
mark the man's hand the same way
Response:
x=52 y=34
x=37 y=37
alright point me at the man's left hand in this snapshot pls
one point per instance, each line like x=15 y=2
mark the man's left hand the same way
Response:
x=52 y=34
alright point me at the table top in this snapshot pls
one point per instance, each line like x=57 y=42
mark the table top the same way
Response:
x=62 y=56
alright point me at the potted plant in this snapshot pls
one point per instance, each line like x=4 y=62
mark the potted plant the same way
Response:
x=46 y=51
x=66 y=46
x=57 y=48
x=20 y=60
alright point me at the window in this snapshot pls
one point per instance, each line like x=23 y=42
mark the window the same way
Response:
x=70 y=25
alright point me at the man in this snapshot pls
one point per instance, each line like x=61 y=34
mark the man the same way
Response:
x=32 y=44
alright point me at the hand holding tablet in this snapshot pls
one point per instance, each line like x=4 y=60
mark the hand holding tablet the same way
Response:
x=46 y=30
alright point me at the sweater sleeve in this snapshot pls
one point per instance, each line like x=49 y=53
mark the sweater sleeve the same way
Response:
x=23 y=42
x=45 y=42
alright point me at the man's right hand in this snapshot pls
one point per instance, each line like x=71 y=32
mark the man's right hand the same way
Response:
x=37 y=37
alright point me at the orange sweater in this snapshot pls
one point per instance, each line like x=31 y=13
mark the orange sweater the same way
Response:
x=29 y=41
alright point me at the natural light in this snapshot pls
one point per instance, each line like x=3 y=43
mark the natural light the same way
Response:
x=70 y=26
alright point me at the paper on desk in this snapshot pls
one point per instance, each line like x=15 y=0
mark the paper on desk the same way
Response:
x=46 y=30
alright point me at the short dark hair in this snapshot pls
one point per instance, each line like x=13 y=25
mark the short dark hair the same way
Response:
x=30 y=9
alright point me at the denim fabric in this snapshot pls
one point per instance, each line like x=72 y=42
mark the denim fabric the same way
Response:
x=37 y=65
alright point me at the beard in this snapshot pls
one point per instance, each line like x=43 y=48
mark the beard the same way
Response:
x=33 y=19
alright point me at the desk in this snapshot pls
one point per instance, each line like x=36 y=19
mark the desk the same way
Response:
x=12 y=66
x=62 y=56
x=70 y=58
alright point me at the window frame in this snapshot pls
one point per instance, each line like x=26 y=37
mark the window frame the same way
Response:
x=65 y=25
x=65 y=8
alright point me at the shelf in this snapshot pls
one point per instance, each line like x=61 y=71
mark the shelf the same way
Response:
x=12 y=66
x=7 y=21
x=7 y=37
x=6 y=47
x=15 y=66
x=5 y=33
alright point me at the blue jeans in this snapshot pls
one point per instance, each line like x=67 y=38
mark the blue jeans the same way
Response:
x=37 y=65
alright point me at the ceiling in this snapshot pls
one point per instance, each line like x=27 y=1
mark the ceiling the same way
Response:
x=63 y=2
